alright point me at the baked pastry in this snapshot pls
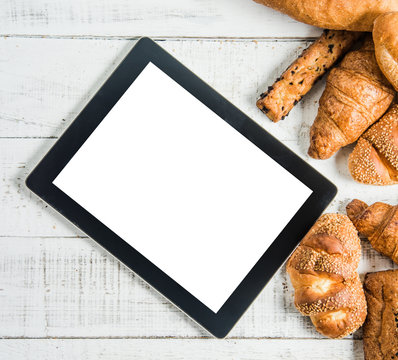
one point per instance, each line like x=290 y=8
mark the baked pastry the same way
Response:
x=356 y=95
x=385 y=37
x=354 y=15
x=380 y=335
x=374 y=160
x=323 y=271
x=379 y=223
x=301 y=75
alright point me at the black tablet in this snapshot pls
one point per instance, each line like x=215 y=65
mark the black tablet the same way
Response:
x=182 y=187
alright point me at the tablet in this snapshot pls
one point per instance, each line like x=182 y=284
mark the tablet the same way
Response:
x=182 y=187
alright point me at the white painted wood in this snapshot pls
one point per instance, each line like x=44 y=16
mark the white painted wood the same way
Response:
x=39 y=94
x=126 y=18
x=55 y=78
x=129 y=349
x=23 y=214
x=70 y=287
x=54 y=56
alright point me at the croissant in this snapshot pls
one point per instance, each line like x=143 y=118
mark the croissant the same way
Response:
x=323 y=271
x=374 y=159
x=379 y=223
x=356 y=95
x=385 y=37
x=356 y=15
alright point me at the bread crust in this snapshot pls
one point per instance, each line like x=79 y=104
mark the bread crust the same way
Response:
x=323 y=272
x=385 y=37
x=354 y=15
x=301 y=75
x=380 y=336
x=374 y=160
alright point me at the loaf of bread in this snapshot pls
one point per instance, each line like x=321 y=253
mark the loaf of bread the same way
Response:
x=323 y=271
x=379 y=223
x=301 y=75
x=356 y=95
x=380 y=335
x=374 y=160
x=385 y=37
x=354 y=15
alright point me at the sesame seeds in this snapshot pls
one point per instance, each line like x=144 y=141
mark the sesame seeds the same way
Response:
x=374 y=160
x=341 y=308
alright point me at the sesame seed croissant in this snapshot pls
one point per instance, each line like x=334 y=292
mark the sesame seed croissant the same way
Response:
x=374 y=160
x=323 y=271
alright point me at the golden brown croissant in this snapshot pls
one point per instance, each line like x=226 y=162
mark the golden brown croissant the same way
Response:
x=385 y=37
x=323 y=271
x=301 y=75
x=374 y=160
x=356 y=95
x=354 y=15
x=379 y=223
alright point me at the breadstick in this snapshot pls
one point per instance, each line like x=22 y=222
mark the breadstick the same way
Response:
x=300 y=76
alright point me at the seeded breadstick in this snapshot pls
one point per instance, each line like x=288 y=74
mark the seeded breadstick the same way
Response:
x=300 y=76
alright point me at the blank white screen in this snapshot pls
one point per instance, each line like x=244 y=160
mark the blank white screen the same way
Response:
x=182 y=187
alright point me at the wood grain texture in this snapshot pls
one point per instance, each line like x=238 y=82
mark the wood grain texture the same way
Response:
x=126 y=18
x=55 y=282
x=70 y=287
x=37 y=104
x=195 y=349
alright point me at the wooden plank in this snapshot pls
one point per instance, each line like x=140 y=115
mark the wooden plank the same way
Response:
x=36 y=95
x=70 y=287
x=125 y=18
x=128 y=349
x=39 y=98
x=23 y=214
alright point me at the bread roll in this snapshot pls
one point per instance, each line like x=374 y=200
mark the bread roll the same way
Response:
x=385 y=37
x=380 y=335
x=354 y=15
x=323 y=271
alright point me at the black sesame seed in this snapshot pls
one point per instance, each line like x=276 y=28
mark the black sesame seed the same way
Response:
x=331 y=46
x=301 y=82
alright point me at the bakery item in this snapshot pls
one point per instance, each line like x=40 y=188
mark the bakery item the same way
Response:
x=374 y=160
x=385 y=37
x=379 y=223
x=354 y=15
x=380 y=335
x=356 y=95
x=323 y=271
x=301 y=75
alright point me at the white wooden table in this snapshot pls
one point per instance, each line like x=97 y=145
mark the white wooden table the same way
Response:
x=63 y=297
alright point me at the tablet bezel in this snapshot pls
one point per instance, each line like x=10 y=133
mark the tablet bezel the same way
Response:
x=40 y=181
